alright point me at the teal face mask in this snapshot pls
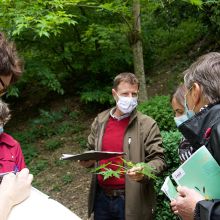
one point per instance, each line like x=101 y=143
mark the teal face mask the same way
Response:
x=181 y=119
x=187 y=113
x=186 y=116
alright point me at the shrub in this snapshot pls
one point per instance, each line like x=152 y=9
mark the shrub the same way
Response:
x=101 y=96
x=44 y=125
x=64 y=127
x=30 y=152
x=67 y=178
x=74 y=115
x=160 y=110
x=183 y=37
x=39 y=166
x=171 y=142
x=82 y=141
x=53 y=144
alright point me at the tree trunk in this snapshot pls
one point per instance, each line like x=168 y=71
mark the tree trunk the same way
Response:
x=137 y=47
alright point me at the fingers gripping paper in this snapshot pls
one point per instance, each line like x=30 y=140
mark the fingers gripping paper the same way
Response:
x=40 y=206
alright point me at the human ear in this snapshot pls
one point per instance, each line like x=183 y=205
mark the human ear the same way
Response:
x=196 y=94
x=114 y=94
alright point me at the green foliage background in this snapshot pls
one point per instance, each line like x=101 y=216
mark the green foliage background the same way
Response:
x=76 y=47
x=85 y=43
x=159 y=108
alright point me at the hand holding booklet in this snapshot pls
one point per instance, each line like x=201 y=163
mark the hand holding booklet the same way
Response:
x=200 y=172
x=92 y=155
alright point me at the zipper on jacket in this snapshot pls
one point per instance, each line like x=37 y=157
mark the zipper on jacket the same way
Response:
x=129 y=146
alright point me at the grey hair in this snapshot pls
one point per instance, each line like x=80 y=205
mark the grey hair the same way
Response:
x=206 y=72
x=4 y=112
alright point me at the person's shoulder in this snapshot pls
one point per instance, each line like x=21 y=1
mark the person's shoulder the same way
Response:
x=143 y=117
x=9 y=140
x=146 y=123
x=104 y=114
x=215 y=124
x=107 y=111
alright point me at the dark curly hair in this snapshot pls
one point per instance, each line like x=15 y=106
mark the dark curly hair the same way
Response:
x=5 y=114
x=10 y=63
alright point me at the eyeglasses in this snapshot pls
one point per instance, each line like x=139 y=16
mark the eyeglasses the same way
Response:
x=186 y=95
x=188 y=91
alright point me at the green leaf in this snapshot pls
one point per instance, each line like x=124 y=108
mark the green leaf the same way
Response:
x=122 y=167
x=107 y=173
x=99 y=168
x=147 y=170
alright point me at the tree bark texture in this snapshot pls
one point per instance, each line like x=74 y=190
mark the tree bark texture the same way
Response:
x=137 y=48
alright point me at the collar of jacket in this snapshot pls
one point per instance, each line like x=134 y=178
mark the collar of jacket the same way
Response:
x=104 y=118
x=119 y=117
x=195 y=128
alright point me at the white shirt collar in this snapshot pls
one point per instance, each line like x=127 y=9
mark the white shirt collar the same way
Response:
x=112 y=111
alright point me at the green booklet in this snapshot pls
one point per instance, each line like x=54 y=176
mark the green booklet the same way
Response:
x=200 y=172
x=169 y=189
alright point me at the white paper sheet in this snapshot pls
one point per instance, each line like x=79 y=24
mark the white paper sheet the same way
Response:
x=40 y=207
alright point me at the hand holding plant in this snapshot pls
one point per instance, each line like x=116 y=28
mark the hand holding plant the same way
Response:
x=136 y=171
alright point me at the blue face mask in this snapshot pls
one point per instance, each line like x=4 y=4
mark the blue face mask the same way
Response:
x=181 y=119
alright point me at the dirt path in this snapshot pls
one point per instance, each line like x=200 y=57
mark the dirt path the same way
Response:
x=67 y=183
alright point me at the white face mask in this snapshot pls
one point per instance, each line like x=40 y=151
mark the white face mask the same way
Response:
x=126 y=104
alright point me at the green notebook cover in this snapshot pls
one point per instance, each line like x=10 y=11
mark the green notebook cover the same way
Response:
x=200 y=172
x=169 y=189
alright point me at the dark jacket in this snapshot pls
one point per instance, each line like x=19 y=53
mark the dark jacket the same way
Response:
x=204 y=129
x=207 y=210
x=145 y=146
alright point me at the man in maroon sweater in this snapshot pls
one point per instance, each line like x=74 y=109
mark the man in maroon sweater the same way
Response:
x=124 y=129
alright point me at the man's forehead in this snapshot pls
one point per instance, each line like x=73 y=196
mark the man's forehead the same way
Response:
x=127 y=86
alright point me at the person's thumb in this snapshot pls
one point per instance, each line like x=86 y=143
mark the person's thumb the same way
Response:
x=183 y=191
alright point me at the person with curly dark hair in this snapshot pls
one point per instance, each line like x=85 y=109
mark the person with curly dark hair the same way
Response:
x=11 y=156
x=11 y=66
